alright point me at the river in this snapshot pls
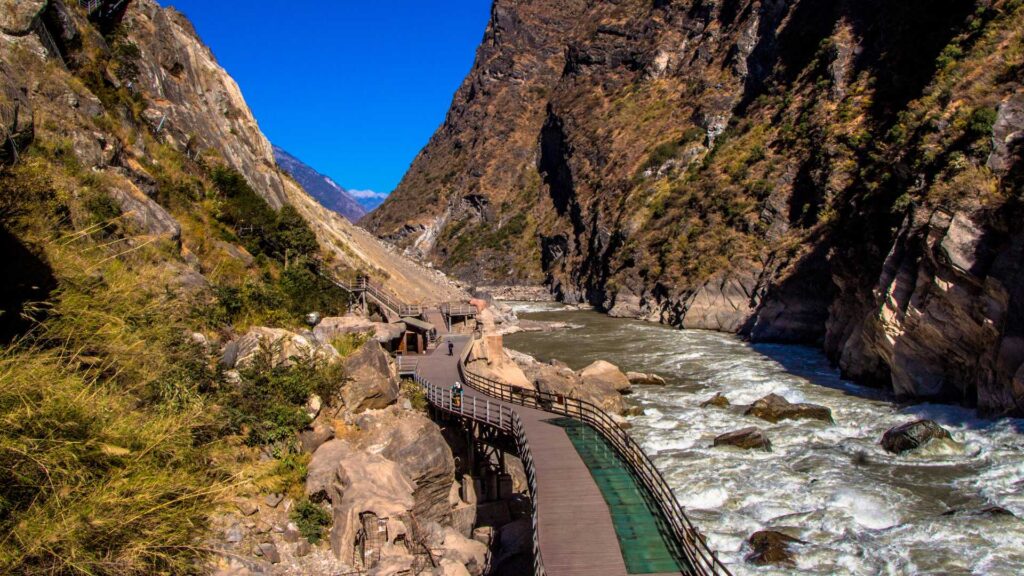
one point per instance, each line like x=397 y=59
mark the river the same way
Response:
x=859 y=509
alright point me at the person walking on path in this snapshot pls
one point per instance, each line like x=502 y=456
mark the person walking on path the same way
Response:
x=451 y=348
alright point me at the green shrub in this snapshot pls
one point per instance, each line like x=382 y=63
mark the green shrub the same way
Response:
x=980 y=123
x=312 y=520
x=267 y=407
x=346 y=344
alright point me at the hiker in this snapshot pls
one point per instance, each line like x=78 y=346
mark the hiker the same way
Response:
x=457 y=393
x=451 y=348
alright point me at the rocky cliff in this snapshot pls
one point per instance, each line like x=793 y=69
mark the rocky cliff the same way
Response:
x=61 y=73
x=326 y=191
x=841 y=173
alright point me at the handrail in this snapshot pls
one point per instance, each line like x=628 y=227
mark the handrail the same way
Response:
x=694 y=545
x=479 y=409
x=458 y=309
x=526 y=457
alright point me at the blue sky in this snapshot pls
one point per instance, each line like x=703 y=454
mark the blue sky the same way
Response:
x=354 y=88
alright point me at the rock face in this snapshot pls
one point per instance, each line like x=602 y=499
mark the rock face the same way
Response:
x=415 y=443
x=774 y=408
x=371 y=384
x=282 y=345
x=187 y=102
x=709 y=165
x=913 y=435
x=748 y=439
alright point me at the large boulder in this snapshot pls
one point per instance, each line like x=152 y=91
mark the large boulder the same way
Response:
x=150 y=218
x=604 y=374
x=415 y=443
x=774 y=408
x=913 y=435
x=282 y=345
x=747 y=438
x=367 y=484
x=322 y=467
x=563 y=381
x=771 y=547
x=487 y=358
x=333 y=326
x=370 y=383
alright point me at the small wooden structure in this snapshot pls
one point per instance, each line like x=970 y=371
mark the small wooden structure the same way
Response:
x=417 y=336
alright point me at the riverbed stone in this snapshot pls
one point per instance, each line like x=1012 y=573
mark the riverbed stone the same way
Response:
x=644 y=378
x=717 y=401
x=772 y=547
x=751 y=438
x=774 y=408
x=913 y=435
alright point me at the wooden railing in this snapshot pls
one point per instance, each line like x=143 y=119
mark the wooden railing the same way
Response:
x=694 y=545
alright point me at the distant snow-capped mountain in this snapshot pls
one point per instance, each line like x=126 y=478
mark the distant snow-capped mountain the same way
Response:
x=325 y=190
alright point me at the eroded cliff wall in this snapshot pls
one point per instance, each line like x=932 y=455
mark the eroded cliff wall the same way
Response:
x=841 y=173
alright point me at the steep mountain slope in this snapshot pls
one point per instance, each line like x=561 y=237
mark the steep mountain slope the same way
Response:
x=147 y=232
x=320 y=187
x=841 y=173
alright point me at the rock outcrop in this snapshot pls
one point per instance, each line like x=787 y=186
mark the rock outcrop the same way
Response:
x=281 y=346
x=488 y=358
x=913 y=435
x=774 y=408
x=370 y=383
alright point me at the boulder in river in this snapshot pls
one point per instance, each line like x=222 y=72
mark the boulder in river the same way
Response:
x=747 y=438
x=771 y=547
x=774 y=408
x=717 y=401
x=913 y=435
x=642 y=378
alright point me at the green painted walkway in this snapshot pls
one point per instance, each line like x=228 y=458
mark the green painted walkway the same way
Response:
x=645 y=541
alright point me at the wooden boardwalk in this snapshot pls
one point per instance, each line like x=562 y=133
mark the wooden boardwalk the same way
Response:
x=575 y=527
x=572 y=450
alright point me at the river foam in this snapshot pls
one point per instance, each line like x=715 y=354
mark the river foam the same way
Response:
x=859 y=509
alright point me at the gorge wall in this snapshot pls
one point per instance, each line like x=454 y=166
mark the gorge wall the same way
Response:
x=840 y=173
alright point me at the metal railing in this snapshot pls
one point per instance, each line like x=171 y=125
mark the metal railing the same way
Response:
x=458 y=309
x=526 y=457
x=694 y=545
x=379 y=296
x=93 y=6
x=483 y=410
x=407 y=365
